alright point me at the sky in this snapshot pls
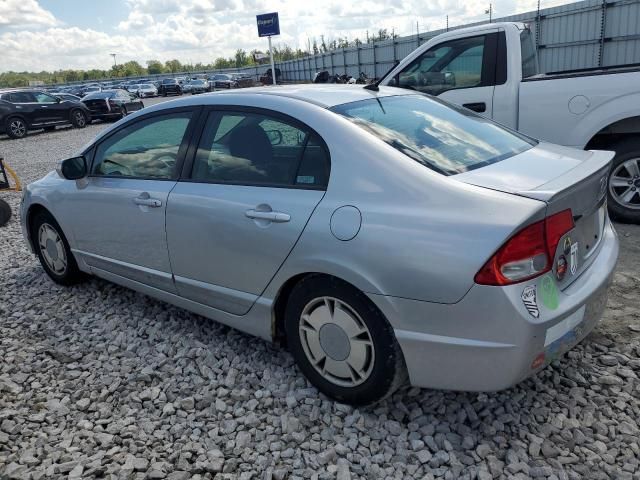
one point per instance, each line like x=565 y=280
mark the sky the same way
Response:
x=80 y=34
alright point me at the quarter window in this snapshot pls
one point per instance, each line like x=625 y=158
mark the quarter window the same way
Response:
x=257 y=149
x=448 y=66
x=145 y=149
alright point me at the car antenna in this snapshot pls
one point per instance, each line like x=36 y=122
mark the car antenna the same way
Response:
x=376 y=85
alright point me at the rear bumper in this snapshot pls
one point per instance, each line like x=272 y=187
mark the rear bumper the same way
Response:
x=489 y=341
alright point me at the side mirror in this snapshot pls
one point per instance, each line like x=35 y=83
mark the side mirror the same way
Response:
x=275 y=137
x=73 y=168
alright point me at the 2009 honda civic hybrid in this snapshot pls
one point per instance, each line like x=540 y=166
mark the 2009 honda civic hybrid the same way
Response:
x=377 y=234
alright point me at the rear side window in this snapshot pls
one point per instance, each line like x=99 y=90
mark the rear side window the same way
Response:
x=440 y=136
x=249 y=148
x=146 y=149
x=529 y=57
x=21 y=97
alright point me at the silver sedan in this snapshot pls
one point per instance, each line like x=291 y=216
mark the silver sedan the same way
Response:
x=379 y=235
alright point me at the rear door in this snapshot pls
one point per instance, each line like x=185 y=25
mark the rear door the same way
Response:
x=462 y=70
x=119 y=210
x=50 y=109
x=255 y=179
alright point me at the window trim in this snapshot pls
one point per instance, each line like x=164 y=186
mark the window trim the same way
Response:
x=187 y=167
x=489 y=63
x=182 y=149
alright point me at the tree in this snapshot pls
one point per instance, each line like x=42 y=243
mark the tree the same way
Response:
x=241 y=58
x=154 y=67
x=133 y=69
x=173 y=66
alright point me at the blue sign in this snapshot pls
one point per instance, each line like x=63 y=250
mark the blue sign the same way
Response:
x=268 y=24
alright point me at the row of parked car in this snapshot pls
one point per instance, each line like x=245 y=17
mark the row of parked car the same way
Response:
x=24 y=110
x=153 y=87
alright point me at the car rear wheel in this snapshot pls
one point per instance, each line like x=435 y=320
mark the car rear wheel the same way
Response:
x=53 y=250
x=16 y=127
x=78 y=119
x=342 y=342
x=624 y=181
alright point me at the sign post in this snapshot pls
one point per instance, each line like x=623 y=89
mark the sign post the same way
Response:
x=269 y=25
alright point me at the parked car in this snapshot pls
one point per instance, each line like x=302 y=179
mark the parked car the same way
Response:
x=169 y=86
x=267 y=78
x=112 y=104
x=587 y=108
x=145 y=90
x=195 y=86
x=90 y=89
x=66 y=96
x=24 y=110
x=375 y=233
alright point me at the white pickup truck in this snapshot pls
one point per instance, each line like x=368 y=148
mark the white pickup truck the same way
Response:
x=493 y=69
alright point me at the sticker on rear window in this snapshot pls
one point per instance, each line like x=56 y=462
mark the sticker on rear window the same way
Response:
x=530 y=301
x=306 y=179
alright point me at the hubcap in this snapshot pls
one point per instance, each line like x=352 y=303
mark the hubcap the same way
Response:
x=624 y=184
x=18 y=127
x=80 y=119
x=52 y=249
x=336 y=341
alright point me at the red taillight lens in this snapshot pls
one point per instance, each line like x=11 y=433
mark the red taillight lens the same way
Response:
x=528 y=253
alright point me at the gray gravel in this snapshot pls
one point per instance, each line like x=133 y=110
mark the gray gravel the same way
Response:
x=99 y=381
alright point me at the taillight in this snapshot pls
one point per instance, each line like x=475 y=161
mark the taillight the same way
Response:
x=527 y=254
x=113 y=103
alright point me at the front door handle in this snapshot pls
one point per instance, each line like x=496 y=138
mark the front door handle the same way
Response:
x=145 y=200
x=276 y=217
x=479 y=107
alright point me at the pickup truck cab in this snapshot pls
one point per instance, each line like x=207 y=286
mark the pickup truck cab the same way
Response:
x=493 y=70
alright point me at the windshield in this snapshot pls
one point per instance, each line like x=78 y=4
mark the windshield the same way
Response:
x=441 y=136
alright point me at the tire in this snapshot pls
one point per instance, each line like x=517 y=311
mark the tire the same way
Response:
x=5 y=213
x=16 y=127
x=355 y=368
x=79 y=119
x=624 y=181
x=164 y=93
x=53 y=250
x=124 y=112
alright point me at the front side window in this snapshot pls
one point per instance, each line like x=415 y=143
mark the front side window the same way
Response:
x=440 y=136
x=448 y=66
x=44 y=98
x=260 y=149
x=146 y=149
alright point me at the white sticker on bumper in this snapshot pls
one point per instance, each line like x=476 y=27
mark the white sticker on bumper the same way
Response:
x=566 y=325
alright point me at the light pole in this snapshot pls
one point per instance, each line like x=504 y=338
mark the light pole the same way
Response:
x=114 y=59
x=489 y=12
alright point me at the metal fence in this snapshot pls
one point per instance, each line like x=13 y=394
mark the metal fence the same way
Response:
x=585 y=34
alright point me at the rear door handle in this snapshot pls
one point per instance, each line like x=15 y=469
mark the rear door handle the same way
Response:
x=276 y=217
x=479 y=107
x=145 y=200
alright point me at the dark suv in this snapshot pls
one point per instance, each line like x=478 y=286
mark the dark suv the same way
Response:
x=23 y=110
x=169 y=86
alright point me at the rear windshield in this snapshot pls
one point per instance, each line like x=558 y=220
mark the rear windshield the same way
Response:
x=441 y=136
x=93 y=96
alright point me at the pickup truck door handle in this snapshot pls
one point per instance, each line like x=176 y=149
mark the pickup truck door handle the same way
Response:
x=479 y=107
x=276 y=217
x=145 y=200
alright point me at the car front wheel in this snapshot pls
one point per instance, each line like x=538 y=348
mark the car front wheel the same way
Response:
x=53 y=250
x=78 y=119
x=342 y=342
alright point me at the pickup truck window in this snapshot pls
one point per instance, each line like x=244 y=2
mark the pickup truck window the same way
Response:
x=440 y=136
x=447 y=66
x=529 y=59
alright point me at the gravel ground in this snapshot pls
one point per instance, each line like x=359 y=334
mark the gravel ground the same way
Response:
x=97 y=380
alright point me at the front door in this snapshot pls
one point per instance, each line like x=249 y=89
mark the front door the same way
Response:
x=257 y=176
x=119 y=210
x=461 y=71
x=50 y=109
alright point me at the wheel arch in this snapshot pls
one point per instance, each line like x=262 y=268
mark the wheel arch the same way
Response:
x=284 y=294
x=32 y=211
x=614 y=132
x=18 y=115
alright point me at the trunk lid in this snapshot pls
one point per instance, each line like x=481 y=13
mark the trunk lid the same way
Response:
x=562 y=178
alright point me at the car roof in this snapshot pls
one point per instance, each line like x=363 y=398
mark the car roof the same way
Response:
x=326 y=96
